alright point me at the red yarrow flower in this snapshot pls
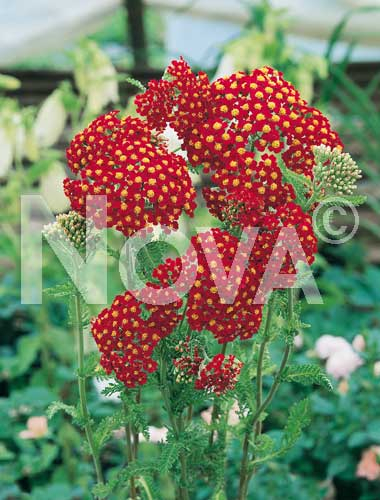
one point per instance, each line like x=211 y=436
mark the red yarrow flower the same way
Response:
x=127 y=341
x=220 y=375
x=222 y=122
x=145 y=185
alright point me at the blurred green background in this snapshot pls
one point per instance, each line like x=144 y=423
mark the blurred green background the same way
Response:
x=50 y=91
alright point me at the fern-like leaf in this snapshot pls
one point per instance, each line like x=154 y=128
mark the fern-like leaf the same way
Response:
x=299 y=417
x=306 y=374
x=59 y=406
x=135 y=83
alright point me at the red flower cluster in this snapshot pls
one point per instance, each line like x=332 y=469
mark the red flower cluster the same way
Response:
x=225 y=122
x=182 y=100
x=188 y=365
x=208 y=306
x=127 y=341
x=244 y=129
x=219 y=375
x=145 y=185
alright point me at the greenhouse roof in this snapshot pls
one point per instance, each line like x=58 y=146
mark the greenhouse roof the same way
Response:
x=37 y=27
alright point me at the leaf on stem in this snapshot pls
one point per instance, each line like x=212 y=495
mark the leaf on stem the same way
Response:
x=307 y=374
x=59 y=406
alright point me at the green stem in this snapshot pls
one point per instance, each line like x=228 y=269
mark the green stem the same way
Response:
x=82 y=389
x=177 y=425
x=130 y=451
x=135 y=431
x=275 y=385
x=189 y=414
x=260 y=363
x=216 y=408
x=245 y=474
x=243 y=485
x=145 y=486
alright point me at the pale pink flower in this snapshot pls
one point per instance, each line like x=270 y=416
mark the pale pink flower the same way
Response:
x=36 y=428
x=358 y=343
x=233 y=415
x=206 y=415
x=343 y=386
x=343 y=363
x=329 y=344
x=368 y=467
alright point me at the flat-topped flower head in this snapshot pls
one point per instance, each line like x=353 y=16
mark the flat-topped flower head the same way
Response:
x=127 y=340
x=222 y=122
x=145 y=185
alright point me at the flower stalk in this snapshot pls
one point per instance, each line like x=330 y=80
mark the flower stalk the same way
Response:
x=177 y=425
x=82 y=389
x=216 y=408
x=246 y=471
x=130 y=437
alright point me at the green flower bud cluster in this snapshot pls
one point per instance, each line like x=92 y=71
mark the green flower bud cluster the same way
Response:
x=335 y=171
x=71 y=226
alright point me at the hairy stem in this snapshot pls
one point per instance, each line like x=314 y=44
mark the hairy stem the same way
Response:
x=82 y=389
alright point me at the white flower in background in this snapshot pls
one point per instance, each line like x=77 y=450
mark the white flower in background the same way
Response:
x=298 y=341
x=95 y=76
x=103 y=90
x=30 y=145
x=376 y=369
x=233 y=414
x=156 y=434
x=329 y=344
x=51 y=119
x=226 y=66
x=51 y=188
x=173 y=142
x=359 y=343
x=343 y=363
x=308 y=67
x=36 y=428
x=100 y=385
x=6 y=152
